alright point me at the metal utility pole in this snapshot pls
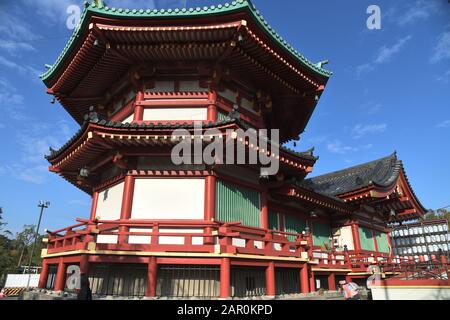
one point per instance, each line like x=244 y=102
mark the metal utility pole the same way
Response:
x=41 y=205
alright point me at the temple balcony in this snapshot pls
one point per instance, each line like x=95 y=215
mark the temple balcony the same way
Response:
x=188 y=237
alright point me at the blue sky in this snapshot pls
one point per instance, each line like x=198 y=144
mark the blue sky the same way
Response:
x=390 y=91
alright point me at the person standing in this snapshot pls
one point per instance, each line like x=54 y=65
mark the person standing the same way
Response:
x=85 y=292
x=350 y=290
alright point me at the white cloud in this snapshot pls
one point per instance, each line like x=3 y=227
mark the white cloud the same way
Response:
x=445 y=77
x=420 y=10
x=385 y=53
x=11 y=103
x=32 y=139
x=364 y=68
x=443 y=124
x=441 y=50
x=336 y=146
x=53 y=11
x=22 y=69
x=16 y=35
x=371 y=107
x=360 y=130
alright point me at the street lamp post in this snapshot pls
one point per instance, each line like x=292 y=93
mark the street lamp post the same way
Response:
x=41 y=205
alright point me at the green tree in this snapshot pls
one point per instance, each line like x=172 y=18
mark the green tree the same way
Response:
x=23 y=242
x=438 y=214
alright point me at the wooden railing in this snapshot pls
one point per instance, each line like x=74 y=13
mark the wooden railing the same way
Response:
x=181 y=236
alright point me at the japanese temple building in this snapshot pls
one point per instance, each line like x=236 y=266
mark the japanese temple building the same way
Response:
x=157 y=229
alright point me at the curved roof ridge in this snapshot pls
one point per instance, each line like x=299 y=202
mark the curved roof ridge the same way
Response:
x=352 y=168
x=101 y=8
x=381 y=172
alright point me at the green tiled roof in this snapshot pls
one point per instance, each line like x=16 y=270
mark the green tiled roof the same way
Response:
x=238 y=5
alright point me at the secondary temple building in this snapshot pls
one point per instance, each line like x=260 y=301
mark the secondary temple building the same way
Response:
x=132 y=77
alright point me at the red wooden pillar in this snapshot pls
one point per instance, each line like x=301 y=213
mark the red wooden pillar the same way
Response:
x=374 y=236
x=152 y=272
x=60 y=276
x=210 y=205
x=44 y=275
x=127 y=203
x=391 y=252
x=138 y=109
x=356 y=240
x=270 y=279
x=264 y=210
x=212 y=109
x=312 y=282
x=331 y=282
x=94 y=205
x=225 y=278
x=304 y=281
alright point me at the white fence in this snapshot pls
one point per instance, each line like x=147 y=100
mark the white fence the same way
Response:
x=21 y=280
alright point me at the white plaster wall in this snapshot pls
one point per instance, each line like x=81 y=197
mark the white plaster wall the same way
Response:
x=414 y=293
x=168 y=199
x=159 y=114
x=140 y=239
x=179 y=240
x=108 y=238
x=109 y=208
x=346 y=238
x=238 y=242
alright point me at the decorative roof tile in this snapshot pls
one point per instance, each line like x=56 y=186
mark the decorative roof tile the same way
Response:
x=102 y=10
x=382 y=172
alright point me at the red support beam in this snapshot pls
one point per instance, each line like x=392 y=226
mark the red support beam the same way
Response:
x=270 y=279
x=264 y=210
x=304 y=282
x=331 y=282
x=60 y=276
x=139 y=108
x=151 y=277
x=127 y=203
x=212 y=109
x=210 y=204
x=44 y=275
x=94 y=205
x=225 y=278
x=356 y=240
x=312 y=282
x=374 y=236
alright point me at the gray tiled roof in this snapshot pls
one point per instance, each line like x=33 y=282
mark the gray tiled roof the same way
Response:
x=143 y=126
x=381 y=172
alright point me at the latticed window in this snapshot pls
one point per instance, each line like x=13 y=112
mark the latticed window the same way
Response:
x=320 y=234
x=294 y=225
x=366 y=239
x=382 y=242
x=235 y=203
